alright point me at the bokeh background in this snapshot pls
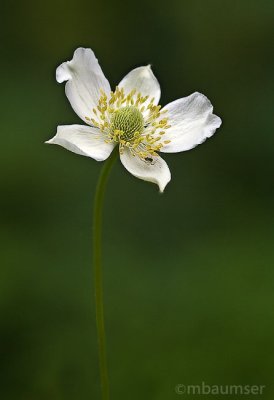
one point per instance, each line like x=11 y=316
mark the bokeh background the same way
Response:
x=189 y=275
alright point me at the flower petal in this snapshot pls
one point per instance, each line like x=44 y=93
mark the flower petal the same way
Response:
x=83 y=140
x=156 y=172
x=192 y=122
x=84 y=80
x=144 y=81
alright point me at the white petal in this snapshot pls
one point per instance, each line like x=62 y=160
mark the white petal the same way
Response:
x=156 y=172
x=144 y=81
x=83 y=140
x=192 y=122
x=84 y=80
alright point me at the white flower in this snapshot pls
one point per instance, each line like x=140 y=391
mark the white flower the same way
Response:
x=130 y=117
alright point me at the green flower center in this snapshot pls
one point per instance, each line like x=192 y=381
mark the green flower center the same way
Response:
x=129 y=121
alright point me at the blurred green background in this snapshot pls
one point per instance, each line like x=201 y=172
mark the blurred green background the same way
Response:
x=189 y=277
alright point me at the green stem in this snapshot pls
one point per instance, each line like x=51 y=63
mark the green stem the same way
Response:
x=97 y=263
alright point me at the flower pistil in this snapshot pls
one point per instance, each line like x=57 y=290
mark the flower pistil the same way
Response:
x=132 y=121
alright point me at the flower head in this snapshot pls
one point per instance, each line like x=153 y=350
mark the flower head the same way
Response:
x=130 y=117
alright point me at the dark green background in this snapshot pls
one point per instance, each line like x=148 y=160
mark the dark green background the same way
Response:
x=189 y=277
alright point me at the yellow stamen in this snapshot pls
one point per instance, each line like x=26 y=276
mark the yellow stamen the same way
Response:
x=131 y=120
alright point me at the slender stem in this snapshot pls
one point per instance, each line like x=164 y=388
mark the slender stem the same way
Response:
x=97 y=263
